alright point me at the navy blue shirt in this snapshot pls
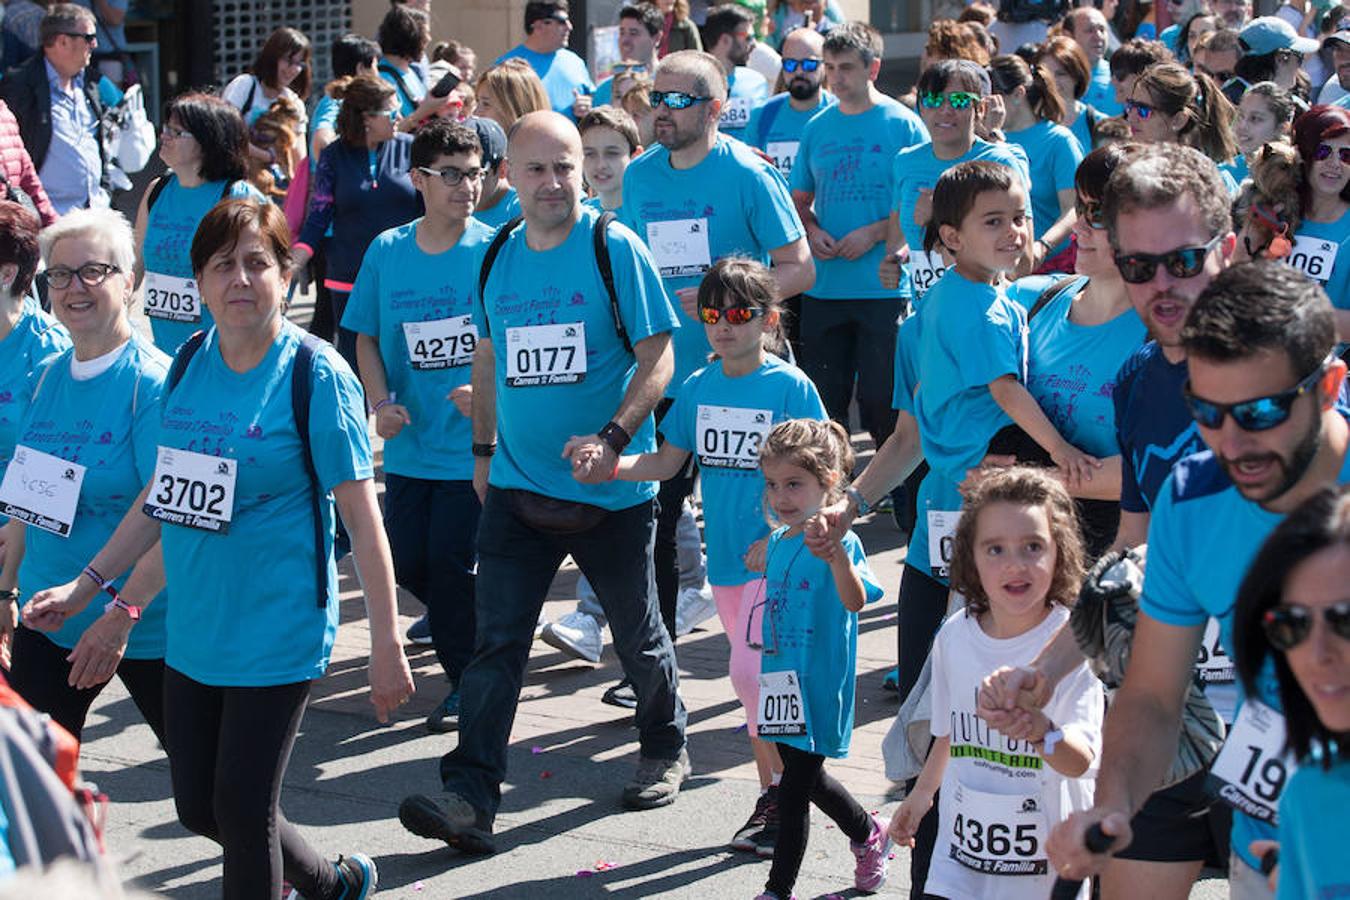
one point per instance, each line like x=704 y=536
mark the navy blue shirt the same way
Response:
x=1153 y=426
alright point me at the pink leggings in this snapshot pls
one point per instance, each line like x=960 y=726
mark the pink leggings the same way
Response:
x=734 y=605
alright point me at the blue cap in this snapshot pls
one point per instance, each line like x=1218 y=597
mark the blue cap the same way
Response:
x=1270 y=33
x=491 y=138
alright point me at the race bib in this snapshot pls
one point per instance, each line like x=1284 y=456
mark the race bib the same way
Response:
x=173 y=299
x=680 y=247
x=41 y=490
x=1213 y=663
x=924 y=269
x=996 y=834
x=441 y=343
x=941 y=535
x=1313 y=256
x=538 y=355
x=1252 y=768
x=735 y=113
x=783 y=154
x=729 y=437
x=781 y=710
x=193 y=490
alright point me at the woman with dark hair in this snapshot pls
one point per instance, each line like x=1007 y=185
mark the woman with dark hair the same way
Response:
x=351 y=55
x=283 y=67
x=1180 y=12
x=362 y=187
x=404 y=34
x=1194 y=29
x=1068 y=67
x=1293 y=617
x=205 y=145
x=250 y=560
x=1322 y=136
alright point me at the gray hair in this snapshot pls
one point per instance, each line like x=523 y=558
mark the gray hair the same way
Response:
x=709 y=77
x=107 y=225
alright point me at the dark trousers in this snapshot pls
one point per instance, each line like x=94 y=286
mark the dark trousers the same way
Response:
x=852 y=342
x=516 y=565
x=670 y=497
x=433 y=531
x=228 y=750
x=346 y=338
x=805 y=782
x=40 y=673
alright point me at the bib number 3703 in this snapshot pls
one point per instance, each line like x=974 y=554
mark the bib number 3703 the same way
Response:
x=781 y=710
x=193 y=490
x=172 y=299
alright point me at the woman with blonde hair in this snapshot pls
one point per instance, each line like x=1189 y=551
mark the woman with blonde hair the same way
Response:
x=1169 y=105
x=508 y=91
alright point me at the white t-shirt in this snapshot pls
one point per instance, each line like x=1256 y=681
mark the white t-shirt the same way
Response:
x=237 y=92
x=999 y=799
x=766 y=61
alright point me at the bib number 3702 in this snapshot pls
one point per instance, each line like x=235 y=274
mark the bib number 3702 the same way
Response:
x=193 y=490
x=1253 y=768
x=781 y=710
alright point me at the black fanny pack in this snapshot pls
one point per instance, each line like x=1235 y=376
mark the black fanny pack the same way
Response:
x=551 y=515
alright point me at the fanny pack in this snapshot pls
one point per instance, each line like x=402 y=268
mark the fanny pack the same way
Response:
x=551 y=515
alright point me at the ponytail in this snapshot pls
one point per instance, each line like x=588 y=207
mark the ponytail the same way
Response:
x=1213 y=132
x=1043 y=95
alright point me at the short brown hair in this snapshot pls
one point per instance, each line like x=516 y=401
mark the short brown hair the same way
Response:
x=219 y=231
x=1021 y=486
x=615 y=119
x=361 y=96
x=955 y=40
x=1072 y=59
x=1159 y=176
x=282 y=43
x=19 y=244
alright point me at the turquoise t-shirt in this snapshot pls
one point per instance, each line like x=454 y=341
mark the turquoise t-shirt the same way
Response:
x=399 y=283
x=560 y=367
x=722 y=421
x=814 y=636
x=109 y=425
x=846 y=161
x=169 y=228
x=1082 y=125
x=245 y=613
x=1194 y=572
x=36 y=336
x=1100 y=93
x=917 y=168
x=776 y=128
x=731 y=203
x=325 y=114
x=1055 y=154
x=501 y=212
x=562 y=72
x=1073 y=368
x=409 y=87
x=1313 y=862
x=746 y=89
x=1235 y=168
x=1169 y=37
x=1322 y=252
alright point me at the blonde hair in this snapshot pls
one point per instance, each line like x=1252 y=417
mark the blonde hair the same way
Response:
x=515 y=88
x=820 y=446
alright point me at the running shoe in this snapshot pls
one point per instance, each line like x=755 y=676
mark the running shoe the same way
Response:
x=358 y=874
x=693 y=607
x=656 y=782
x=419 y=632
x=870 y=872
x=449 y=818
x=623 y=695
x=445 y=717
x=746 y=837
x=578 y=635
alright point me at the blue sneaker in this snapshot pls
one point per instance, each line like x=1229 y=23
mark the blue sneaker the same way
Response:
x=892 y=681
x=359 y=876
x=445 y=717
x=419 y=632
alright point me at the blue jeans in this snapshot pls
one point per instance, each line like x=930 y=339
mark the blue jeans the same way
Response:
x=516 y=566
x=433 y=529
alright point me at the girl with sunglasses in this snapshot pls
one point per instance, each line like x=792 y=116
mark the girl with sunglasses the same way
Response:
x=1293 y=617
x=1034 y=109
x=1169 y=105
x=723 y=413
x=952 y=96
x=1322 y=242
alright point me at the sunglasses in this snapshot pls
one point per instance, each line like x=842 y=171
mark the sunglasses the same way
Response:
x=1142 y=110
x=91 y=273
x=451 y=176
x=89 y=38
x=1323 y=152
x=1258 y=414
x=627 y=68
x=1289 y=625
x=735 y=315
x=1137 y=268
x=674 y=99
x=810 y=64
x=955 y=99
x=1090 y=211
x=1286 y=54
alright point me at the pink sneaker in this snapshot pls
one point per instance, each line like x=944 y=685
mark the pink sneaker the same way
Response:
x=873 y=857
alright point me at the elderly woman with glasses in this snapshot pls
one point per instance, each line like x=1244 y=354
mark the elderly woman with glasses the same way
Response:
x=84 y=448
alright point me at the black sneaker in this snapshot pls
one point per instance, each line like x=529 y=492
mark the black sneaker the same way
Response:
x=622 y=695
x=767 y=839
x=445 y=717
x=451 y=819
x=748 y=834
x=358 y=874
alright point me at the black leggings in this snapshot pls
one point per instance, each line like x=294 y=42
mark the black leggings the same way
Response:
x=805 y=782
x=40 y=673
x=228 y=750
x=670 y=499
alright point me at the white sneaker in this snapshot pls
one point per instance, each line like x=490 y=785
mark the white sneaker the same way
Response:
x=540 y=626
x=576 y=634
x=693 y=607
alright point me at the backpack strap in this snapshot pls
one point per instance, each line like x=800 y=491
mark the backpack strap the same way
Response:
x=600 y=240
x=489 y=257
x=302 y=387
x=1092 y=120
x=399 y=83
x=248 y=101
x=182 y=358
x=1050 y=293
x=156 y=189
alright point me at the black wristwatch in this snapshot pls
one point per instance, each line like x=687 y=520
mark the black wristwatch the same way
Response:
x=483 y=451
x=615 y=437
x=10 y=595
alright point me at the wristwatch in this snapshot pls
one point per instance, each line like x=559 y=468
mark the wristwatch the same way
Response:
x=10 y=595
x=483 y=450
x=858 y=500
x=614 y=437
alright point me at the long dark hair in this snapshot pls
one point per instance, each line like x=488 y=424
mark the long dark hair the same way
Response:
x=220 y=131
x=280 y=44
x=1322 y=521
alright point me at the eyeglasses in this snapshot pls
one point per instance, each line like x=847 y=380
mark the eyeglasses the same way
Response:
x=89 y=38
x=1186 y=262
x=1142 y=110
x=393 y=115
x=1257 y=414
x=810 y=64
x=452 y=176
x=1286 y=54
x=674 y=99
x=559 y=20
x=627 y=68
x=173 y=134
x=1323 y=152
x=91 y=273
x=1090 y=211
x=1289 y=625
x=956 y=99
x=754 y=638
x=735 y=315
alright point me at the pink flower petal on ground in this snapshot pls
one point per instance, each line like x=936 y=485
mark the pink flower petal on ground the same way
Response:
x=536 y=750
x=585 y=873
x=545 y=774
x=419 y=886
x=604 y=865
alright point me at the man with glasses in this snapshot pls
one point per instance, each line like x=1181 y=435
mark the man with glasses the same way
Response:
x=55 y=98
x=565 y=77
x=842 y=186
x=729 y=35
x=776 y=126
x=411 y=311
x=640 y=27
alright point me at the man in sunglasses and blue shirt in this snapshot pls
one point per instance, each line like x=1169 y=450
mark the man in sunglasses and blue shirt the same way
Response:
x=640 y=27
x=776 y=125
x=729 y=35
